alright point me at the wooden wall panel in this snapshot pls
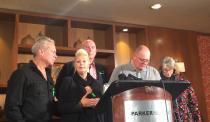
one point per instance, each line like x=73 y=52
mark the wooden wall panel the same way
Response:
x=126 y=44
x=99 y=38
x=6 y=50
x=57 y=33
x=26 y=29
x=181 y=45
x=81 y=34
x=109 y=38
x=54 y=32
x=123 y=48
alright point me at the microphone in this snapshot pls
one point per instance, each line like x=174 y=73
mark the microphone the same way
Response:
x=122 y=76
x=131 y=77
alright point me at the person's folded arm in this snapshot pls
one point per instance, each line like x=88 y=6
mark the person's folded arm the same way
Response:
x=14 y=98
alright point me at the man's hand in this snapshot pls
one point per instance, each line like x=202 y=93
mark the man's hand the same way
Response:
x=149 y=89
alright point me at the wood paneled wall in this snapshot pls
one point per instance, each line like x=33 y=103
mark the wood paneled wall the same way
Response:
x=6 y=50
x=124 y=48
x=181 y=45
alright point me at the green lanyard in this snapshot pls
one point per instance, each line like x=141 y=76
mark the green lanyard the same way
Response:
x=101 y=73
x=93 y=94
x=53 y=92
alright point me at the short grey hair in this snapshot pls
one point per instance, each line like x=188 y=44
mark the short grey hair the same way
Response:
x=168 y=62
x=40 y=43
x=81 y=51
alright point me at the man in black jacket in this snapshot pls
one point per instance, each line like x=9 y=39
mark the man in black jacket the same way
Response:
x=30 y=89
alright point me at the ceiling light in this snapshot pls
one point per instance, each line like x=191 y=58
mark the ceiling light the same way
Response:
x=156 y=6
x=84 y=0
x=125 y=30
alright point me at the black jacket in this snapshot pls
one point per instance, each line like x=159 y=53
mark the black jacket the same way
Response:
x=173 y=76
x=72 y=90
x=68 y=70
x=29 y=96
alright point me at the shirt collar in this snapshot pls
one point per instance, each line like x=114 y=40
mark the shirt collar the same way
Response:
x=34 y=67
x=93 y=63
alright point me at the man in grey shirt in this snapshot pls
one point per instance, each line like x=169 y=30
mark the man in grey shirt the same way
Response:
x=137 y=67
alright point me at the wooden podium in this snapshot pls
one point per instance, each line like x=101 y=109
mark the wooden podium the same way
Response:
x=132 y=103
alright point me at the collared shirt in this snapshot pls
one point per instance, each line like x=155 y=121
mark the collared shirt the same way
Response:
x=148 y=73
x=92 y=70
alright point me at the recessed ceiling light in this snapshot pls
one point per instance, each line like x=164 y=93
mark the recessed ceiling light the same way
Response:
x=125 y=30
x=156 y=6
x=84 y=0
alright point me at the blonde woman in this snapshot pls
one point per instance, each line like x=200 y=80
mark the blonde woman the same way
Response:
x=79 y=93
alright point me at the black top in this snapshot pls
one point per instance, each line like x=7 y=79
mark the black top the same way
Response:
x=174 y=77
x=29 y=96
x=69 y=70
x=72 y=90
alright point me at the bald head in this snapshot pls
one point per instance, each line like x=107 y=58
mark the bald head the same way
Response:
x=142 y=49
x=90 y=47
x=141 y=57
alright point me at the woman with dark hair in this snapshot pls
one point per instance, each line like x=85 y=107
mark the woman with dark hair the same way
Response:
x=186 y=104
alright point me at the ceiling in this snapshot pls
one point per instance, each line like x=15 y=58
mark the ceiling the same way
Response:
x=178 y=14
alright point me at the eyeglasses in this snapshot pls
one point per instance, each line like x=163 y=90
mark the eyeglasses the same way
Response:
x=166 y=70
x=143 y=60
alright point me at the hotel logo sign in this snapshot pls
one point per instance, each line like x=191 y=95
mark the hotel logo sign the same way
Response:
x=148 y=111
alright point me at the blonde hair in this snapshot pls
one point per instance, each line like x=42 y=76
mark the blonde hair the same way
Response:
x=83 y=53
x=80 y=52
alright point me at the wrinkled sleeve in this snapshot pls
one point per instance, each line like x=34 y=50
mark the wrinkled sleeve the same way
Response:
x=156 y=75
x=14 y=98
x=69 y=101
x=67 y=70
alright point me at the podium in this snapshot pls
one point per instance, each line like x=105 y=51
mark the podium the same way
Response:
x=132 y=103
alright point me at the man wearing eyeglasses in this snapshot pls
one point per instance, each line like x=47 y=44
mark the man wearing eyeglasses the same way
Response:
x=137 y=67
